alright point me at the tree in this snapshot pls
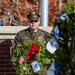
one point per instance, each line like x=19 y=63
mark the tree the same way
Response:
x=65 y=54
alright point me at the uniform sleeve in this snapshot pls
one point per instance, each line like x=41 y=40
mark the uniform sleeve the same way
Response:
x=16 y=41
x=48 y=37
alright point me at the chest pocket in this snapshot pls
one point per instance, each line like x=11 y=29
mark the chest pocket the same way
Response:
x=41 y=37
x=24 y=38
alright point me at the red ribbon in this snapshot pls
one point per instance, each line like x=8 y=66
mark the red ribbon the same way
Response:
x=33 y=49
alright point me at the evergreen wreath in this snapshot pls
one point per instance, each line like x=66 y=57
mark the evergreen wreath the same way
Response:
x=42 y=56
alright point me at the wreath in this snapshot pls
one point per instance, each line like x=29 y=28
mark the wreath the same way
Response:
x=26 y=54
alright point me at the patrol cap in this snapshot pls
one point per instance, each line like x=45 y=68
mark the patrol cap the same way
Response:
x=33 y=15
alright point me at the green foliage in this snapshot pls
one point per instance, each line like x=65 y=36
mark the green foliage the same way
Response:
x=69 y=24
x=69 y=7
x=65 y=54
x=43 y=58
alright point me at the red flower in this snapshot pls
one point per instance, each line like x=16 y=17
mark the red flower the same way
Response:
x=33 y=49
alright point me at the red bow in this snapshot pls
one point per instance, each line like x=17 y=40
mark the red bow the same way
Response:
x=32 y=51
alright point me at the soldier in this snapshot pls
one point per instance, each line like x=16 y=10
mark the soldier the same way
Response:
x=32 y=32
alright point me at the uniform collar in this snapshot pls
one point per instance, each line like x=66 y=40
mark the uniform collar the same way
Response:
x=34 y=30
